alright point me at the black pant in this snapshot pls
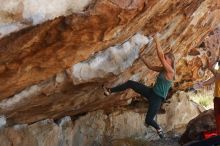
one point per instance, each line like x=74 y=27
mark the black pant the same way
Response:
x=154 y=100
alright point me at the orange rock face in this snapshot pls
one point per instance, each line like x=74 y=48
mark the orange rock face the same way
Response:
x=193 y=67
x=35 y=62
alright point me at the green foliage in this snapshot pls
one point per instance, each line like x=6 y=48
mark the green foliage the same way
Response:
x=203 y=97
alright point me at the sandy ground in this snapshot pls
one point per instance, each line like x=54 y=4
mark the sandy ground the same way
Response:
x=165 y=142
x=168 y=141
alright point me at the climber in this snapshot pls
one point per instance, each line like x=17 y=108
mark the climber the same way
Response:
x=214 y=79
x=156 y=94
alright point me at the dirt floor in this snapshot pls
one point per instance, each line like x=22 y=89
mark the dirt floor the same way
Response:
x=168 y=141
x=165 y=142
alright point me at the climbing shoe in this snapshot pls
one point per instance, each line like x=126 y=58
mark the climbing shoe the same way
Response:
x=107 y=91
x=160 y=133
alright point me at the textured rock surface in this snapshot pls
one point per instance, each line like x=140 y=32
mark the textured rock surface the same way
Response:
x=55 y=56
x=203 y=122
x=179 y=110
x=16 y=15
x=192 y=67
x=122 y=127
x=57 y=67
